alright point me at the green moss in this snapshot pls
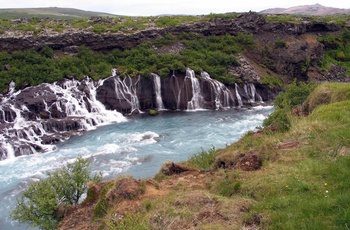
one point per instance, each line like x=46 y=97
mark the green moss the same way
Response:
x=153 y=112
x=101 y=207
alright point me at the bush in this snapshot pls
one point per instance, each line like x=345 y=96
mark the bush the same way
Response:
x=271 y=81
x=280 y=43
x=295 y=94
x=43 y=203
x=279 y=119
x=99 y=29
x=204 y=159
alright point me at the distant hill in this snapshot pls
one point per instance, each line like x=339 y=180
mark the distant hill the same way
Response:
x=316 y=9
x=52 y=12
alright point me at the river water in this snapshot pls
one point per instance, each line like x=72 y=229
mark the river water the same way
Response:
x=137 y=147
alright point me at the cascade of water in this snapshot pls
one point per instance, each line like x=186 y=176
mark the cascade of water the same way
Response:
x=238 y=96
x=248 y=93
x=255 y=95
x=126 y=90
x=222 y=93
x=11 y=87
x=195 y=102
x=114 y=72
x=176 y=86
x=98 y=111
x=131 y=89
x=75 y=100
x=9 y=150
x=19 y=122
x=157 y=89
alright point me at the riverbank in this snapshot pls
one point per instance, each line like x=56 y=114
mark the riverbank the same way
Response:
x=301 y=180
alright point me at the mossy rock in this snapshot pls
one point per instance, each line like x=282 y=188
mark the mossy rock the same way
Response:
x=153 y=112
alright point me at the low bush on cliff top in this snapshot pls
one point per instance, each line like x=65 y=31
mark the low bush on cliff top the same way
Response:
x=214 y=54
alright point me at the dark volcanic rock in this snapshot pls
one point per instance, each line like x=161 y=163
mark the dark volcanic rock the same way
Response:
x=70 y=39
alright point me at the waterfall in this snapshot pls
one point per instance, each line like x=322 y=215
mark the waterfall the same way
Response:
x=222 y=93
x=114 y=72
x=255 y=95
x=126 y=90
x=250 y=91
x=239 y=99
x=11 y=87
x=195 y=102
x=68 y=108
x=10 y=151
x=157 y=89
x=35 y=118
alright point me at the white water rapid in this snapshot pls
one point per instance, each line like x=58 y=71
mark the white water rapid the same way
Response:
x=137 y=147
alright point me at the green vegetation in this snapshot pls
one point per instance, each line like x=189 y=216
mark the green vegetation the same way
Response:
x=338 y=19
x=271 y=81
x=165 y=21
x=295 y=94
x=204 y=159
x=214 y=54
x=337 y=50
x=280 y=43
x=153 y=112
x=283 y=18
x=43 y=203
x=303 y=182
x=51 y=12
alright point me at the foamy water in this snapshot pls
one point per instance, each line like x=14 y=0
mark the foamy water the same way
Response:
x=137 y=147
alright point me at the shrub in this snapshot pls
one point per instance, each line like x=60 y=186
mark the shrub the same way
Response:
x=47 y=52
x=280 y=43
x=164 y=72
x=271 y=81
x=43 y=203
x=279 y=119
x=295 y=94
x=99 y=29
x=204 y=159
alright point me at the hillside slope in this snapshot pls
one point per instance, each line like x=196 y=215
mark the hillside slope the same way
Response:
x=49 y=12
x=316 y=9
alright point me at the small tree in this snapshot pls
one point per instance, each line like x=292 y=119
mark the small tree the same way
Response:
x=43 y=203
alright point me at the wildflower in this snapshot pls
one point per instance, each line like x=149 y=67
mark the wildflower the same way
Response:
x=325 y=184
x=286 y=186
x=326 y=191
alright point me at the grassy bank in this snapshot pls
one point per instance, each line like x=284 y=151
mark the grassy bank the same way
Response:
x=302 y=180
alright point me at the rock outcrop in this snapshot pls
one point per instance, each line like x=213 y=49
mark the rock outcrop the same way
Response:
x=34 y=119
x=289 y=49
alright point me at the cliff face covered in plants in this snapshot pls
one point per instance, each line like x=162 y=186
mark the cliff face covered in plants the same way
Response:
x=60 y=84
x=212 y=64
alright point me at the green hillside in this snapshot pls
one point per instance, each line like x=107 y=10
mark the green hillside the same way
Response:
x=49 y=12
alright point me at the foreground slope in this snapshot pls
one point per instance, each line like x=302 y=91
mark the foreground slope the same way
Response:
x=297 y=179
